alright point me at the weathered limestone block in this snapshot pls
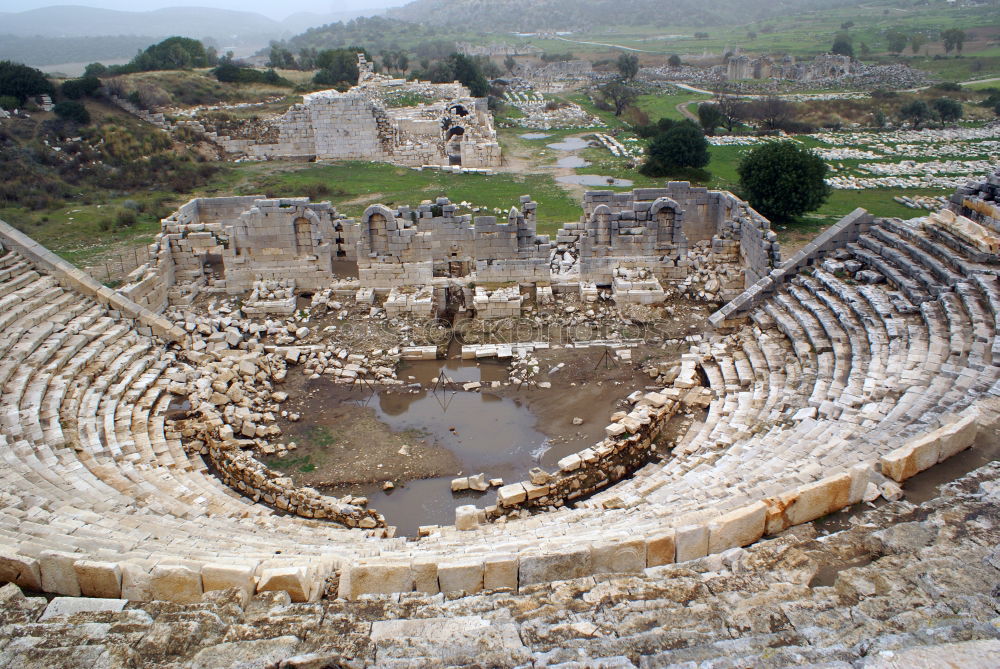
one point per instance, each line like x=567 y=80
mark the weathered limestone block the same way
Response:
x=660 y=549
x=137 y=583
x=425 y=576
x=690 y=542
x=926 y=451
x=461 y=576
x=176 y=583
x=739 y=527
x=99 y=579
x=20 y=569
x=58 y=575
x=618 y=557
x=571 y=563
x=293 y=580
x=808 y=502
x=375 y=578
x=225 y=576
x=500 y=571
x=511 y=494
x=63 y=607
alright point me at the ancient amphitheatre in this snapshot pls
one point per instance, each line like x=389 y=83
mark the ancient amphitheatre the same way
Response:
x=138 y=424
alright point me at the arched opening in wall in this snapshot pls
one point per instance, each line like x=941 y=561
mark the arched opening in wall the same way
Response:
x=665 y=227
x=602 y=216
x=378 y=241
x=453 y=144
x=303 y=235
x=339 y=230
x=459 y=110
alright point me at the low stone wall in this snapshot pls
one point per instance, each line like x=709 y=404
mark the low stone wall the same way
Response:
x=249 y=476
x=627 y=447
x=837 y=236
x=76 y=279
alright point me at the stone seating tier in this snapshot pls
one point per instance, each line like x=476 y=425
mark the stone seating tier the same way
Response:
x=832 y=384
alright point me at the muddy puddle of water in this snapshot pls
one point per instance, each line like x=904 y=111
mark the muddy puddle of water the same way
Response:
x=569 y=144
x=353 y=441
x=534 y=135
x=593 y=180
x=572 y=162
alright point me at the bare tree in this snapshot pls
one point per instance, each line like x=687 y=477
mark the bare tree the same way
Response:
x=731 y=108
x=618 y=94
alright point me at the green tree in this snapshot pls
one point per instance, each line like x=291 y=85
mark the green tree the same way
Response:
x=947 y=110
x=337 y=67
x=509 y=64
x=917 y=112
x=618 y=94
x=23 y=82
x=783 y=180
x=953 y=39
x=628 y=66
x=470 y=74
x=710 y=118
x=897 y=40
x=70 y=110
x=173 y=53
x=674 y=60
x=95 y=70
x=682 y=146
x=917 y=40
x=842 y=45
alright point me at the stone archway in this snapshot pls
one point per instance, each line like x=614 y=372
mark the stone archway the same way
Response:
x=602 y=225
x=374 y=224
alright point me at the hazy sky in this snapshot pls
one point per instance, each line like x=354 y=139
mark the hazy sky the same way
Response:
x=277 y=9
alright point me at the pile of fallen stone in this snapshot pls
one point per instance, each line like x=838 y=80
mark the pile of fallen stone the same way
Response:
x=714 y=271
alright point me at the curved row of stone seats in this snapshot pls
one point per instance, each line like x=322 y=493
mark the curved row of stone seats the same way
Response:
x=92 y=474
x=830 y=377
x=847 y=373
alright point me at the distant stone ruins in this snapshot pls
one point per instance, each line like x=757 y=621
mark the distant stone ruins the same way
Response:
x=449 y=128
x=825 y=66
x=452 y=128
x=134 y=422
x=252 y=239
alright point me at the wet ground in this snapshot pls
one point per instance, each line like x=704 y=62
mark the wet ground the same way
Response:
x=593 y=180
x=419 y=438
x=569 y=144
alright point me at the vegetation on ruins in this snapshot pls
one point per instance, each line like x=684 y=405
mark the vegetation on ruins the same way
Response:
x=783 y=180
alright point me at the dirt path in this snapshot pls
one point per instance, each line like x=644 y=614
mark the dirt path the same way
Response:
x=518 y=159
x=683 y=110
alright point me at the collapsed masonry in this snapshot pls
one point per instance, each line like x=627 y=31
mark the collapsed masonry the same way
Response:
x=451 y=128
x=432 y=258
x=825 y=66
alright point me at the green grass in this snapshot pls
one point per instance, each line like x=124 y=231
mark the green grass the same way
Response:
x=354 y=186
x=665 y=106
x=320 y=436
x=75 y=233
x=301 y=464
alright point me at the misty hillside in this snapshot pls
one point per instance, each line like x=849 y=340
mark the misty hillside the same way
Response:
x=533 y=15
x=196 y=22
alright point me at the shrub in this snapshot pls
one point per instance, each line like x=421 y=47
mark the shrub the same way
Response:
x=74 y=89
x=9 y=102
x=71 y=110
